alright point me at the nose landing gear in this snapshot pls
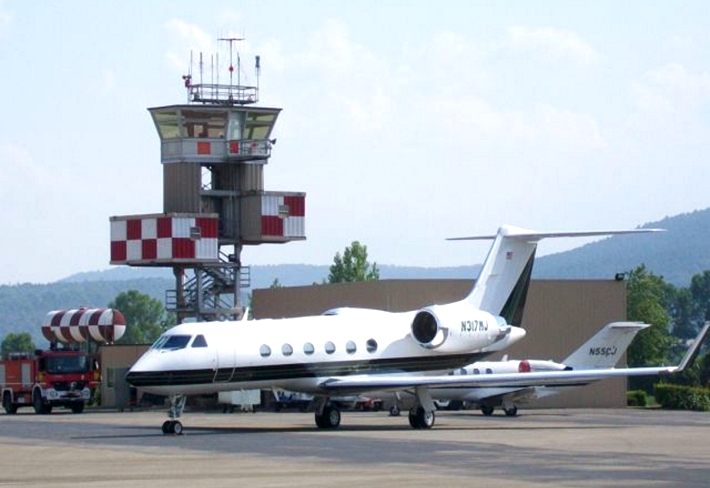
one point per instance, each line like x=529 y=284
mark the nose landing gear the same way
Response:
x=172 y=425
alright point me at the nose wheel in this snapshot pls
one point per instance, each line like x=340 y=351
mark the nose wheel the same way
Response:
x=172 y=427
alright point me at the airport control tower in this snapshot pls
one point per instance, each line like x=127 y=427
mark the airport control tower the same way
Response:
x=213 y=150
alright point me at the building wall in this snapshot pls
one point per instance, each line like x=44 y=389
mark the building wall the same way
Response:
x=560 y=315
x=116 y=359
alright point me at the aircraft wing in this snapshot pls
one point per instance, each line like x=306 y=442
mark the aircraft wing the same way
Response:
x=523 y=380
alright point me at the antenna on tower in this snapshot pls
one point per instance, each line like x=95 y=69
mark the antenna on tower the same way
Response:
x=214 y=93
x=231 y=41
x=257 y=68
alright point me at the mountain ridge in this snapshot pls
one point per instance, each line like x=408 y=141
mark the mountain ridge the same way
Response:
x=677 y=255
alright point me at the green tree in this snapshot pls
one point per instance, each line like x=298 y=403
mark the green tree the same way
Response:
x=17 y=342
x=353 y=266
x=648 y=300
x=146 y=317
x=700 y=291
x=683 y=311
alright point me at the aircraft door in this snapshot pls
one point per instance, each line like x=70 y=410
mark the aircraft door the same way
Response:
x=226 y=362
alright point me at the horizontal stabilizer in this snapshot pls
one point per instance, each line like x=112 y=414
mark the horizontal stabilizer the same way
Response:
x=502 y=284
x=523 y=234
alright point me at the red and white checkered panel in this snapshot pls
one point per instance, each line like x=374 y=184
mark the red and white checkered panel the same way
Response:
x=283 y=216
x=84 y=324
x=163 y=239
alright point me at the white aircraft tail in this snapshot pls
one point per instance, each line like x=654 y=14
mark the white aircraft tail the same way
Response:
x=606 y=347
x=502 y=284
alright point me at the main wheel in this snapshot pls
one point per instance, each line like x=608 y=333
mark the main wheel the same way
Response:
x=167 y=427
x=511 y=411
x=421 y=419
x=177 y=427
x=487 y=411
x=329 y=419
x=77 y=407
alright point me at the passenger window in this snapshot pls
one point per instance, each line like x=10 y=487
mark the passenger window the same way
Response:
x=286 y=350
x=489 y=371
x=329 y=347
x=265 y=351
x=308 y=348
x=199 y=341
x=463 y=371
x=371 y=345
x=476 y=371
x=350 y=347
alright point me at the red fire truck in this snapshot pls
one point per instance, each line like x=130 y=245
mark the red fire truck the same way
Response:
x=66 y=374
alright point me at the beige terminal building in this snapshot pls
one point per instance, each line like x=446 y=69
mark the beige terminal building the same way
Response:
x=560 y=315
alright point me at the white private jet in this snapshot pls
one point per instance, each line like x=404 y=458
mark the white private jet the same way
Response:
x=348 y=351
x=602 y=351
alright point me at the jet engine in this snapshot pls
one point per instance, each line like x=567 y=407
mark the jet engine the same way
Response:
x=457 y=327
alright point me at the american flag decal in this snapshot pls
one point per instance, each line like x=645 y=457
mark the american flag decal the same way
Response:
x=509 y=255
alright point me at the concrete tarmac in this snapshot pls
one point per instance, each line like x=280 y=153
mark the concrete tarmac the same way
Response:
x=550 y=448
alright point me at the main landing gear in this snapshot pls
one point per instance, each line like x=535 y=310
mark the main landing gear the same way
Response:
x=172 y=425
x=328 y=417
x=509 y=410
x=420 y=418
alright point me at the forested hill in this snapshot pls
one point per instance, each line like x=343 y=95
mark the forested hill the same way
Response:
x=677 y=254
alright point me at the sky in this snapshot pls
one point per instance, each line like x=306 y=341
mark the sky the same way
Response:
x=405 y=122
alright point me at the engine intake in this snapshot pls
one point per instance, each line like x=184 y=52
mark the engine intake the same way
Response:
x=424 y=327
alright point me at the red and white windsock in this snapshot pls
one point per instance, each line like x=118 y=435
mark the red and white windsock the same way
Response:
x=103 y=325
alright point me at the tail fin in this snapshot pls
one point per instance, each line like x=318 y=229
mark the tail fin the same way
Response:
x=502 y=284
x=606 y=347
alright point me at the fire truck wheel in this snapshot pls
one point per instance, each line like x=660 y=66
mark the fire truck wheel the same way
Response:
x=37 y=403
x=41 y=408
x=7 y=404
x=77 y=407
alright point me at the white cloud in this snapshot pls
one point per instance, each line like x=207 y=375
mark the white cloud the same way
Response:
x=671 y=89
x=186 y=38
x=477 y=121
x=351 y=80
x=551 y=44
x=694 y=88
x=109 y=79
x=19 y=168
x=5 y=18
x=444 y=92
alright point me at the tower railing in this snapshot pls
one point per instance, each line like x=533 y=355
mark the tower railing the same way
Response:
x=215 y=94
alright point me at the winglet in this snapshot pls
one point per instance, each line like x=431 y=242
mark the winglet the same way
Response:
x=694 y=349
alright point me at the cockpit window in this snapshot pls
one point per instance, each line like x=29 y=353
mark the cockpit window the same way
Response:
x=199 y=341
x=159 y=342
x=172 y=342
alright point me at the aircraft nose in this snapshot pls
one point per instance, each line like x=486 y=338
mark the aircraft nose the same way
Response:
x=142 y=373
